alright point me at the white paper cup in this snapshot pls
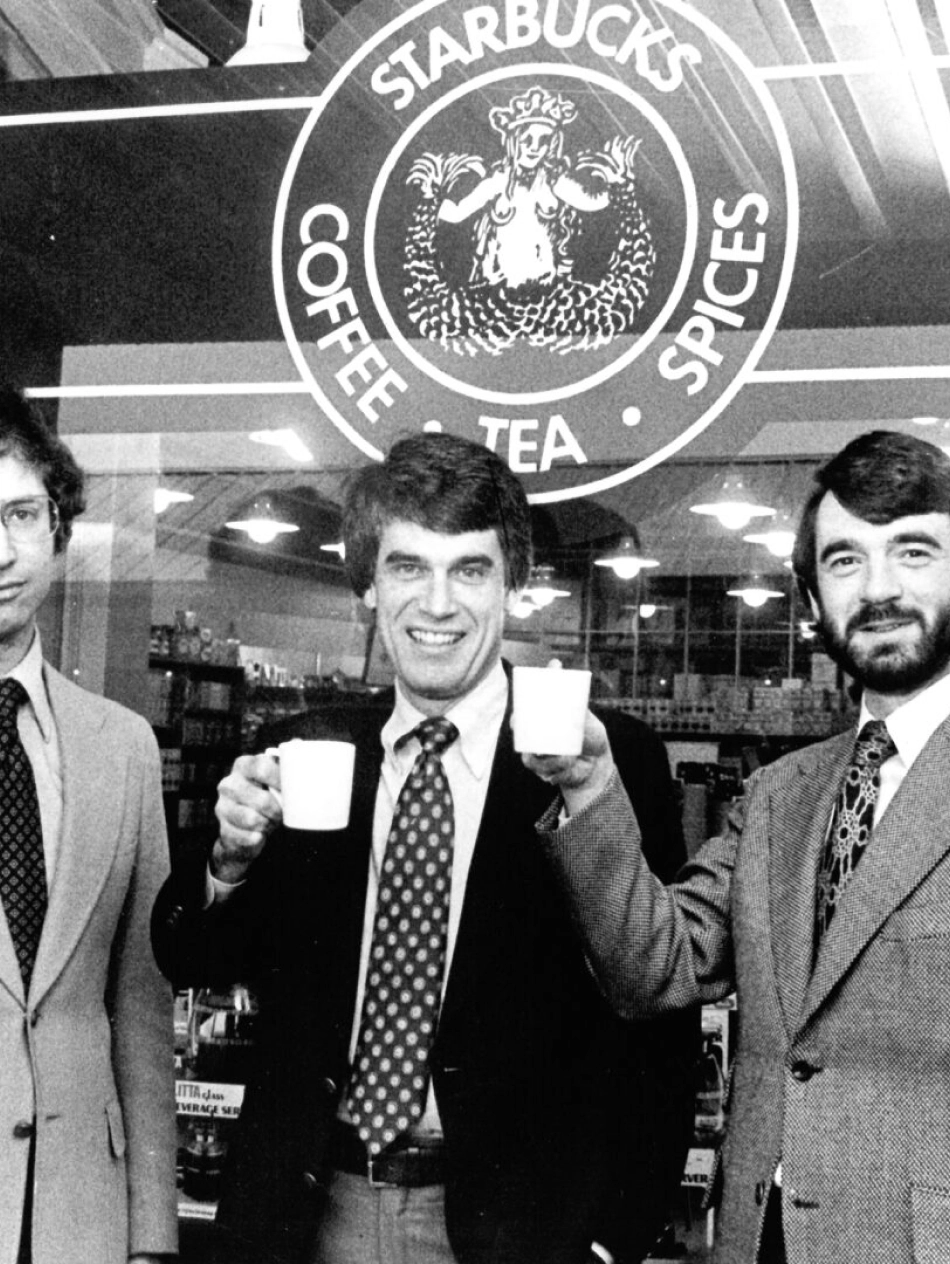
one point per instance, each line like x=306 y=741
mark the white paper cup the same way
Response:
x=316 y=783
x=550 y=705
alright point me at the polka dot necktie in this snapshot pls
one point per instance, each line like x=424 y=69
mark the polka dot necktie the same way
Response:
x=22 y=866
x=853 y=818
x=407 y=954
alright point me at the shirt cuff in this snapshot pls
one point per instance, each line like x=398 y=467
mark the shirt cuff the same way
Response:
x=216 y=891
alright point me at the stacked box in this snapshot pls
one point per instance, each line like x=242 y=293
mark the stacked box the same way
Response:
x=171 y=769
x=824 y=672
x=159 y=700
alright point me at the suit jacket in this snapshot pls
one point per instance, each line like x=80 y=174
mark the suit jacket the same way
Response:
x=561 y=1122
x=842 y=1068
x=88 y=1053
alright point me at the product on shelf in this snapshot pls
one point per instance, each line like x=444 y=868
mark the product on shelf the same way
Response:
x=221 y=1034
x=185 y=641
x=202 y=1161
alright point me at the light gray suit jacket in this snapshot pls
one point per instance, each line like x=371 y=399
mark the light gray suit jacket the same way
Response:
x=89 y=1052
x=843 y=1064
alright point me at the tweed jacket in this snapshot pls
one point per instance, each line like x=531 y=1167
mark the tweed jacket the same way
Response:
x=88 y=1053
x=562 y=1123
x=843 y=1060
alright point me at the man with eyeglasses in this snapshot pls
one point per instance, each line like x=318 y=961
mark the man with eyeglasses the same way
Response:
x=87 y=1115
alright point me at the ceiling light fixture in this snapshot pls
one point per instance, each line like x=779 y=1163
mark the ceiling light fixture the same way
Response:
x=524 y=607
x=162 y=497
x=753 y=592
x=274 y=34
x=625 y=560
x=540 y=587
x=339 y=548
x=646 y=609
x=287 y=439
x=734 y=507
x=778 y=538
x=262 y=524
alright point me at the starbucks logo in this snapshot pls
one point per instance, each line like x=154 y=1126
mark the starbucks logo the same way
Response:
x=564 y=230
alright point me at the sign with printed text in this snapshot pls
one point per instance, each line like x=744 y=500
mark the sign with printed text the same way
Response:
x=699 y=1166
x=564 y=229
x=209 y=1100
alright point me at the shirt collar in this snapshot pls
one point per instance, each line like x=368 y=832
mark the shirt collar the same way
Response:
x=912 y=724
x=29 y=672
x=477 y=716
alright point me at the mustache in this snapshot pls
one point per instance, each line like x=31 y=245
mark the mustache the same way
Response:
x=879 y=612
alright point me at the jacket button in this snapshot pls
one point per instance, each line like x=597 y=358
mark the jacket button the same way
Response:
x=310 y=1182
x=798 y=1200
x=761 y=1189
x=329 y=1085
x=803 y=1071
x=23 y=1128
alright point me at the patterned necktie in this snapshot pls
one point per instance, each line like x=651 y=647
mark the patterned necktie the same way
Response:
x=22 y=866
x=853 y=818
x=407 y=955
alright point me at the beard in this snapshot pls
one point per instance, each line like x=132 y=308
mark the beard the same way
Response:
x=890 y=666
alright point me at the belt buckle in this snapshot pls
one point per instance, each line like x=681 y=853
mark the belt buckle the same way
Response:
x=371 y=1174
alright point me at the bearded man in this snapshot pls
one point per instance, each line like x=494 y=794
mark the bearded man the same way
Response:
x=825 y=903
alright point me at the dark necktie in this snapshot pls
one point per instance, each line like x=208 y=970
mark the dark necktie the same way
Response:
x=407 y=955
x=22 y=866
x=853 y=818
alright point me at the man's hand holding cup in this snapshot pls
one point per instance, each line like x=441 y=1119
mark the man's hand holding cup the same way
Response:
x=558 y=737
x=302 y=785
x=248 y=812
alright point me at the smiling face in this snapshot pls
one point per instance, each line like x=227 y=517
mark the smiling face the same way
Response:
x=440 y=603
x=884 y=599
x=26 y=569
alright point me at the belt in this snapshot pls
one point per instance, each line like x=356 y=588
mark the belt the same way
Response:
x=410 y=1162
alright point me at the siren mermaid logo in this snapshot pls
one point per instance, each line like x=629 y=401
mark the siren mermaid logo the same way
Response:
x=565 y=228
x=525 y=212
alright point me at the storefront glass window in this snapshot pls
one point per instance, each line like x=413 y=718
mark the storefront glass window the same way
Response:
x=645 y=259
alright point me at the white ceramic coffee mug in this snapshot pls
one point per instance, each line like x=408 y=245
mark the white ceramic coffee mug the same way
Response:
x=316 y=783
x=550 y=706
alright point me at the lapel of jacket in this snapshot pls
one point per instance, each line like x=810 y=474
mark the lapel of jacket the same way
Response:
x=346 y=882
x=910 y=839
x=330 y=870
x=796 y=836
x=94 y=799
x=496 y=887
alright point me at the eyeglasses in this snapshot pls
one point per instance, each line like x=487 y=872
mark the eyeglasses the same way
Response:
x=29 y=519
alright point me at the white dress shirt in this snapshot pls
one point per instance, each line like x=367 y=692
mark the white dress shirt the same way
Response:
x=911 y=726
x=41 y=742
x=467 y=763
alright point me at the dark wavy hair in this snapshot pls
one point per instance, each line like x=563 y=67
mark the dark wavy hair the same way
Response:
x=445 y=484
x=880 y=476
x=24 y=434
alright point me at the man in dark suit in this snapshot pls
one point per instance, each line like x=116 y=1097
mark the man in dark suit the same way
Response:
x=524 y=1124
